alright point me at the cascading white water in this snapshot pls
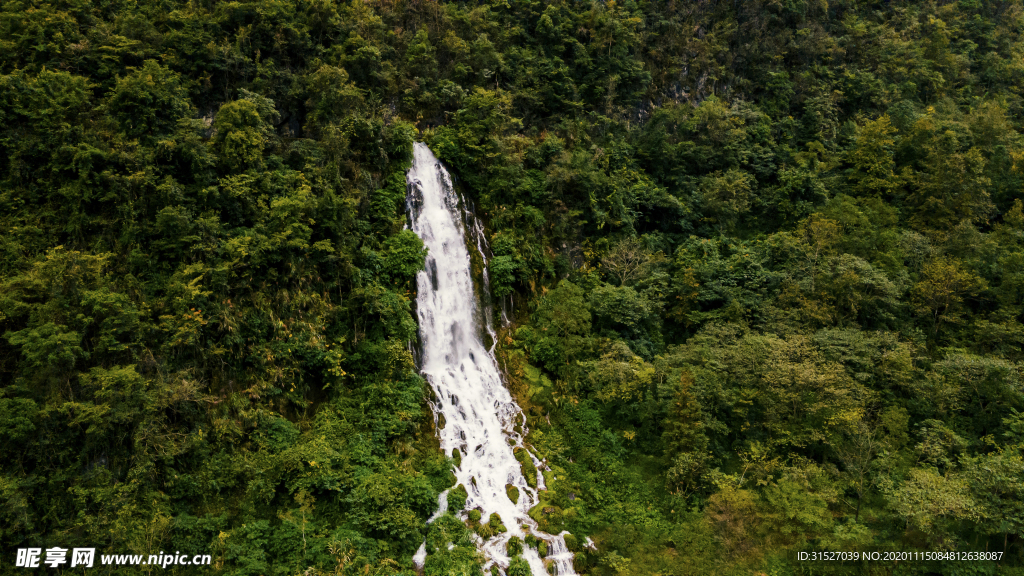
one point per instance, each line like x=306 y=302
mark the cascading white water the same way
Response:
x=479 y=413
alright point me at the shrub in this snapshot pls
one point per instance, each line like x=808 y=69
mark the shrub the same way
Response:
x=457 y=498
x=518 y=567
x=514 y=547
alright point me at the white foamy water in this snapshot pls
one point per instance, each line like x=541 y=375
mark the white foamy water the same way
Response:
x=479 y=413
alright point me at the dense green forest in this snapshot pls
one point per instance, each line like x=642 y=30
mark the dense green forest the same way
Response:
x=763 y=261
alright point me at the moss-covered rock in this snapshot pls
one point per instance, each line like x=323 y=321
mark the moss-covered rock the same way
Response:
x=549 y=518
x=572 y=543
x=513 y=493
x=529 y=470
x=540 y=388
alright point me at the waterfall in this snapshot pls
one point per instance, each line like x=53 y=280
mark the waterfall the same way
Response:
x=479 y=413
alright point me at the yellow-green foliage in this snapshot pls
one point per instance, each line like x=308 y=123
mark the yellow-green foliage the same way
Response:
x=513 y=492
x=529 y=470
x=515 y=546
x=491 y=527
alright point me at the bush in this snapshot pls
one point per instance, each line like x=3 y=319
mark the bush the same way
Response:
x=457 y=498
x=494 y=521
x=514 y=547
x=518 y=567
x=579 y=562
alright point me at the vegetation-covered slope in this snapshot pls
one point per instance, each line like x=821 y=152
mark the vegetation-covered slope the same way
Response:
x=765 y=261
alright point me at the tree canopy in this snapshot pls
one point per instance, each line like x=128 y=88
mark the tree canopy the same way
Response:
x=762 y=264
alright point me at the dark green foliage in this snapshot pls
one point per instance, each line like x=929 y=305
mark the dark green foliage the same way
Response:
x=386 y=506
x=461 y=559
x=763 y=262
x=402 y=258
x=564 y=319
x=518 y=567
x=457 y=498
x=149 y=101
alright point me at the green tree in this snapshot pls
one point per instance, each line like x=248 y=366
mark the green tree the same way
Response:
x=952 y=185
x=933 y=503
x=872 y=159
x=242 y=133
x=565 y=319
x=940 y=293
x=685 y=442
x=149 y=101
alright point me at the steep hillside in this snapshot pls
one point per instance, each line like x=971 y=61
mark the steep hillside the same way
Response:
x=763 y=263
